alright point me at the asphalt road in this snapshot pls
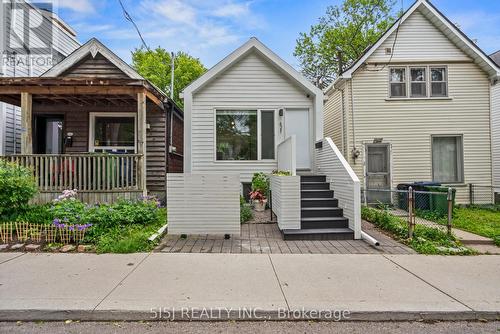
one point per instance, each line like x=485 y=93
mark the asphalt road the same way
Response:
x=249 y=327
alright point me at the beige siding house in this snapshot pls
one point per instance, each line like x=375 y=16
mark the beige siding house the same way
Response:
x=416 y=107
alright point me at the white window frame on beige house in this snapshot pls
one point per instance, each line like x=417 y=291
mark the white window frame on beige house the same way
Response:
x=409 y=82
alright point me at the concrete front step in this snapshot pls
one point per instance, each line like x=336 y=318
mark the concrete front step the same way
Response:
x=319 y=234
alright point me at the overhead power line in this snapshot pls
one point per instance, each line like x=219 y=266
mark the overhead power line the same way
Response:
x=131 y=20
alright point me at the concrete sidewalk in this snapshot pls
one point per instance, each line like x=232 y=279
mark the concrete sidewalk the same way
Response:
x=161 y=286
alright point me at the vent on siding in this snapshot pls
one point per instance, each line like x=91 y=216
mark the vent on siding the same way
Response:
x=388 y=51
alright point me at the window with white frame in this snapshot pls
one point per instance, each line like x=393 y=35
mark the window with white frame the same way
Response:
x=398 y=82
x=245 y=135
x=112 y=132
x=447 y=159
x=423 y=82
x=418 y=85
x=439 y=82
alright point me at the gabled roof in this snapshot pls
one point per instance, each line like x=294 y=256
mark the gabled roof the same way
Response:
x=496 y=57
x=437 y=18
x=253 y=45
x=92 y=48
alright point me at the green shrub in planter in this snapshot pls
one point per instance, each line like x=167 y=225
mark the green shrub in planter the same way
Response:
x=17 y=187
x=260 y=181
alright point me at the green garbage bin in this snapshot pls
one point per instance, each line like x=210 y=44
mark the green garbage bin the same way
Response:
x=439 y=200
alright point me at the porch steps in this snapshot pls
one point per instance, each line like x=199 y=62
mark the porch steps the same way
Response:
x=321 y=218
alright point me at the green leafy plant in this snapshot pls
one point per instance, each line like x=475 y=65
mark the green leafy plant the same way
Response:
x=426 y=240
x=17 y=188
x=260 y=182
x=281 y=173
x=245 y=211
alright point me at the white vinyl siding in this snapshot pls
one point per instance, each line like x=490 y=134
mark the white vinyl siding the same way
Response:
x=409 y=124
x=495 y=127
x=251 y=83
x=418 y=40
x=337 y=111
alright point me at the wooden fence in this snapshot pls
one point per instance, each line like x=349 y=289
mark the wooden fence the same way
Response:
x=103 y=174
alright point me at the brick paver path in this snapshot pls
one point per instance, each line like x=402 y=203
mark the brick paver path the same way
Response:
x=266 y=238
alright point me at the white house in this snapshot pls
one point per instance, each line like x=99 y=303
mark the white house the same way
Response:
x=416 y=107
x=495 y=128
x=252 y=112
x=49 y=40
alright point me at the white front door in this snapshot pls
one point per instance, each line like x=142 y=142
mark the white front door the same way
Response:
x=297 y=123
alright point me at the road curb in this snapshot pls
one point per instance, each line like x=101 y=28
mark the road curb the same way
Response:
x=242 y=315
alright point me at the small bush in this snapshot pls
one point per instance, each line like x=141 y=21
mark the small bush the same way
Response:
x=245 y=211
x=260 y=181
x=281 y=173
x=17 y=187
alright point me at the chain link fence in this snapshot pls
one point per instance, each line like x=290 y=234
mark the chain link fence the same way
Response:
x=482 y=195
x=432 y=208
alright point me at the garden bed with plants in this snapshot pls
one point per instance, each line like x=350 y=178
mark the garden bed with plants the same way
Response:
x=257 y=209
x=67 y=224
x=426 y=240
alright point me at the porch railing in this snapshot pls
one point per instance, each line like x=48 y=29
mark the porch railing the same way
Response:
x=85 y=172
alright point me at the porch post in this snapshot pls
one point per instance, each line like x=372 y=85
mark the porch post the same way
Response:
x=141 y=139
x=26 y=121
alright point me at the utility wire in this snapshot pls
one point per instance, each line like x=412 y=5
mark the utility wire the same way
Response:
x=131 y=20
x=394 y=43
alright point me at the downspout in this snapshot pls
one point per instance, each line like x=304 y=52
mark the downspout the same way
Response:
x=369 y=239
x=355 y=151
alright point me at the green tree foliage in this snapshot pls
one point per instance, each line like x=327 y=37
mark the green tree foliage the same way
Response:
x=155 y=65
x=341 y=37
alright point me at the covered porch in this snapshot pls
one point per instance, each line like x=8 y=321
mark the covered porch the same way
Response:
x=93 y=135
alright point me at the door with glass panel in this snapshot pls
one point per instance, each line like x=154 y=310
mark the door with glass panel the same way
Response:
x=378 y=173
x=297 y=123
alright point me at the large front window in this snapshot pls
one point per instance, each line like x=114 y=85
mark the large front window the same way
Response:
x=112 y=132
x=244 y=135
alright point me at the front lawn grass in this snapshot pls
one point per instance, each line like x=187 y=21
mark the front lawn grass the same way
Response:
x=481 y=221
x=426 y=240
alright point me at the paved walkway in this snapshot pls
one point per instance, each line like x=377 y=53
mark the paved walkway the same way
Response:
x=247 y=286
x=266 y=239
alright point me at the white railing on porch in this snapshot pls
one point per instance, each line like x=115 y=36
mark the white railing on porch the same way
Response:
x=343 y=180
x=287 y=155
x=84 y=172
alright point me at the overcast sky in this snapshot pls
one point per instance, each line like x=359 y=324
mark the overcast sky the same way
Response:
x=210 y=29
